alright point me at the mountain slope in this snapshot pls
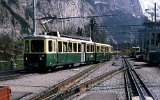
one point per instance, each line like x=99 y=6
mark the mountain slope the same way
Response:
x=19 y=14
x=148 y=8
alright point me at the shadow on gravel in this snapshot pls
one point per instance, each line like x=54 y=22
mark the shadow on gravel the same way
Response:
x=61 y=68
x=145 y=66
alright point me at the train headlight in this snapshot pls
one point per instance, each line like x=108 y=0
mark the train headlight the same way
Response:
x=26 y=58
x=40 y=58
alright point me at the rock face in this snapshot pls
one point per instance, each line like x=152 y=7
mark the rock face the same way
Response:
x=16 y=15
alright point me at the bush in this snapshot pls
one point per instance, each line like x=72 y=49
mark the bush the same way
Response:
x=10 y=49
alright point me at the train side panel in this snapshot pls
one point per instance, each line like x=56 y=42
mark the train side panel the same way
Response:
x=103 y=56
x=45 y=52
x=68 y=58
x=90 y=57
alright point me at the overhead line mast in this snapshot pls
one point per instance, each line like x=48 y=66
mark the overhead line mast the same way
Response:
x=34 y=18
x=155 y=15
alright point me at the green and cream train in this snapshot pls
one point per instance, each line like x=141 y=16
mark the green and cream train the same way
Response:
x=46 y=52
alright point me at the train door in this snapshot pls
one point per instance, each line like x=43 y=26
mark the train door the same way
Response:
x=83 y=49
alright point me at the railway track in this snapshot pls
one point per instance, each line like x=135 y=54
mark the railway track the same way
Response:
x=70 y=84
x=8 y=75
x=79 y=89
x=64 y=85
x=41 y=91
x=134 y=86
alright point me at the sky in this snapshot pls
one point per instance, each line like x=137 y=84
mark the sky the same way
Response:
x=149 y=4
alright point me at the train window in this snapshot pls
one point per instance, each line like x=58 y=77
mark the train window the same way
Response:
x=98 y=49
x=70 y=47
x=87 y=47
x=93 y=48
x=37 y=46
x=75 y=47
x=64 y=46
x=50 y=48
x=26 y=46
x=107 y=49
x=54 y=45
x=79 y=47
x=102 y=48
x=59 y=46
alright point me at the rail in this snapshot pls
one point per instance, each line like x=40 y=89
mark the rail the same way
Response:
x=134 y=86
x=79 y=89
x=64 y=85
x=11 y=74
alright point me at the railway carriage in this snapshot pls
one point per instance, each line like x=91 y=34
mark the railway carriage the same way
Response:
x=46 y=52
x=152 y=58
x=135 y=51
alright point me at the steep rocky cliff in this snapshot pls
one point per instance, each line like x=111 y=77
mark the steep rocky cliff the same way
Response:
x=16 y=16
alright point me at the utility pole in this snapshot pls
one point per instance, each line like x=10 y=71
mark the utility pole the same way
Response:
x=93 y=28
x=155 y=15
x=34 y=18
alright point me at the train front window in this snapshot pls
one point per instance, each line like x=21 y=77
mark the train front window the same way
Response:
x=37 y=46
x=26 y=46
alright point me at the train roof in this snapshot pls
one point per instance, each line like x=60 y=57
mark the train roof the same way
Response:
x=135 y=47
x=54 y=37
x=39 y=36
x=63 y=38
x=56 y=34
